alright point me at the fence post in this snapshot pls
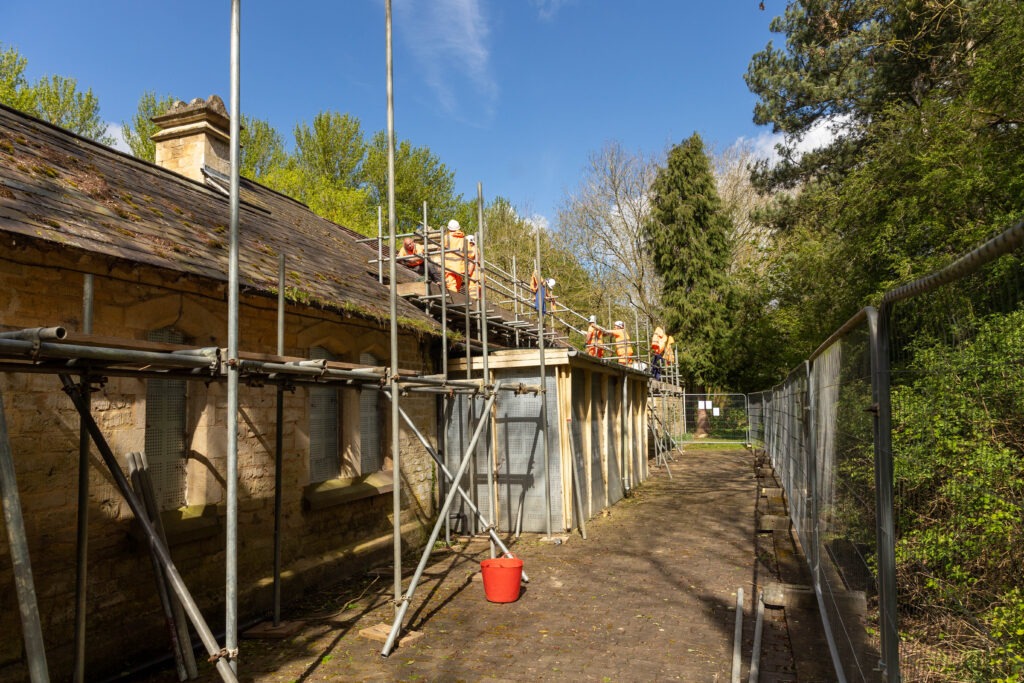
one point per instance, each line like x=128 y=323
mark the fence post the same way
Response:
x=878 y=325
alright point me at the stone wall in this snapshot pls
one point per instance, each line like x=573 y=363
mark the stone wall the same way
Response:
x=125 y=623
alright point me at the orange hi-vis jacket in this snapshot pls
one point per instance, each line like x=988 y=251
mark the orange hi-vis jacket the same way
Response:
x=593 y=341
x=659 y=341
x=670 y=352
x=454 y=259
x=623 y=349
x=417 y=250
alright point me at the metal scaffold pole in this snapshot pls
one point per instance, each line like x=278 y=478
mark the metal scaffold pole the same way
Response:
x=403 y=603
x=481 y=230
x=31 y=628
x=396 y=468
x=279 y=445
x=82 y=559
x=542 y=421
x=231 y=497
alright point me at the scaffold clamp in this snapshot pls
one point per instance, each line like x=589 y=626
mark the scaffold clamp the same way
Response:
x=224 y=654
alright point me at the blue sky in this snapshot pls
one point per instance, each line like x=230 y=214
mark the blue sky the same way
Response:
x=514 y=94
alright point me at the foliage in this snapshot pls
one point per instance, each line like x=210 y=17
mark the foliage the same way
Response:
x=331 y=149
x=602 y=223
x=419 y=177
x=52 y=98
x=687 y=235
x=929 y=161
x=960 y=471
x=139 y=132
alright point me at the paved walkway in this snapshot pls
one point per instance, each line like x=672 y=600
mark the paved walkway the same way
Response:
x=650 y=596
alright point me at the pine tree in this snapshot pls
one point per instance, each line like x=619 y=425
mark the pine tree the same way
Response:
x=687 y=235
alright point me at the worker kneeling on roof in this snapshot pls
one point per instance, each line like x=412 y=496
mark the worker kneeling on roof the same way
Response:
x=411 y=255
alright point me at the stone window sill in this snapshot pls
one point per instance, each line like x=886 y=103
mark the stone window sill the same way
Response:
x=184 y=525
x=334 y=492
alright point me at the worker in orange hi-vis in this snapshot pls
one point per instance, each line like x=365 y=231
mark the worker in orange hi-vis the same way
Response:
x=473 y=274
x=670 y=351
x=454 y=257
x=620 y=340
x=592 y=342
x=659 y=342
x=411 y=255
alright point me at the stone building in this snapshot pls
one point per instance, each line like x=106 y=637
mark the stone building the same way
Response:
x=152 y=243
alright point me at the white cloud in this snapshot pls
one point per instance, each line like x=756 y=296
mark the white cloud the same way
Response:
x=821 y=134
x=547 y=9
x=538 y=222
x=114 y=131
x=449 y=40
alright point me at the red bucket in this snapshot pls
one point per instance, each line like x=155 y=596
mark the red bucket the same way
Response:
x=502 y=576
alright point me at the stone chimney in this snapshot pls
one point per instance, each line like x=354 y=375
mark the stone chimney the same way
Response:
x=194 y=135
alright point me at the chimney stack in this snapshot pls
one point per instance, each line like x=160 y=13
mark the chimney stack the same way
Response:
x=194 y=135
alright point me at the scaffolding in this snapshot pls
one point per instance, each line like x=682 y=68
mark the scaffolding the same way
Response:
x=83 y=363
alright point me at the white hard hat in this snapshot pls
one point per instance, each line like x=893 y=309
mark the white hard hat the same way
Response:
x=453 y=225
x=471 y=238
x=551 y=282
x=593 y=318
x=619 y=323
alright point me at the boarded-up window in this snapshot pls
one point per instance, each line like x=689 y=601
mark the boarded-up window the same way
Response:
x=166 y=402
x=323 y=427
x=370 y=459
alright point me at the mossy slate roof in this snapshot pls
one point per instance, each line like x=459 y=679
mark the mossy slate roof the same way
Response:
x=61 y=188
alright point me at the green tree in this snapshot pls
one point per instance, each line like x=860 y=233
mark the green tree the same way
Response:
x=14 y=87
x=139 y=132
x=332 y=148
x=262 y=149
x=52 y=98
x=419 y=177
x=687 y=235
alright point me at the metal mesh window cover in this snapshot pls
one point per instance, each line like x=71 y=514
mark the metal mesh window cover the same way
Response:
x=521 y=453
x=323 y=428
x=165 y=431
x=370 y=456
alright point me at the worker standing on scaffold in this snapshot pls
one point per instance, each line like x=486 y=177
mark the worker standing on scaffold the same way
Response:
x=474 y=273
x=620 y=340
x=592 y=342
x=455 y=254
x=659 y=342
x=541 y=291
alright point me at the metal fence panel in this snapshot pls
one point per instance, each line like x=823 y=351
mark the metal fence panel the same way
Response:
x=716 y=418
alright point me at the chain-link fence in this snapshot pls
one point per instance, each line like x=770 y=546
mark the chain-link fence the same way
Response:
x=900 y=445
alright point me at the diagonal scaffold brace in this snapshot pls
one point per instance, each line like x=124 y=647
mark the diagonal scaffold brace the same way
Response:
x=396 y=627
x=451 y=480
x=220 y=655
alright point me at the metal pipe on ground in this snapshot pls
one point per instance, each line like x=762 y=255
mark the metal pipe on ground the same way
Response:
x=135 y=473
x=755 y=655
x=737 y=638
